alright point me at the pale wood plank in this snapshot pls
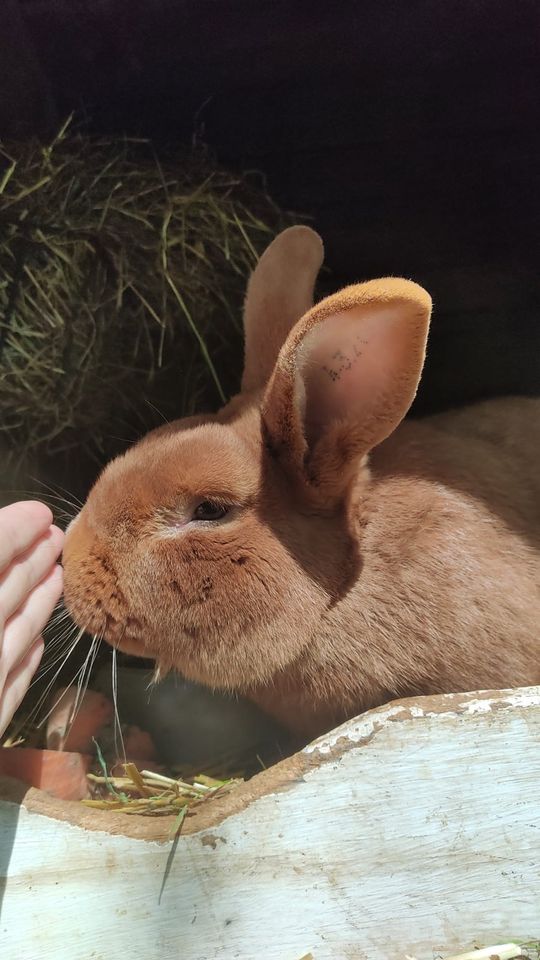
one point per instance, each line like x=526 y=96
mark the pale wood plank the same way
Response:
x=416 y=832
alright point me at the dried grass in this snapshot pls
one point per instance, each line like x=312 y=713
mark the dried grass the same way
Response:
x=116 y=270
x=147 y=793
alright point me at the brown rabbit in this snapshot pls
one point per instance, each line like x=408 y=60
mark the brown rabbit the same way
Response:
x=281 y=549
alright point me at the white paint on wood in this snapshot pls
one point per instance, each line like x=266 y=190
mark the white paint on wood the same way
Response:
x=418 y=833
x=355 y=730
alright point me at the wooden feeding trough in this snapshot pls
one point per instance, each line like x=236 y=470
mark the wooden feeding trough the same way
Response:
x=413 y=830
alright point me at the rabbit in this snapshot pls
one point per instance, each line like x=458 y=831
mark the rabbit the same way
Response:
x=306 y=548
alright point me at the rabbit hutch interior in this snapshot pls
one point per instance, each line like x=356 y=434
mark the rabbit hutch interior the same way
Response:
x=269 y=346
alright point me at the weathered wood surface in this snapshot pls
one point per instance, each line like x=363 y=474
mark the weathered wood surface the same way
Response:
x=414 y=829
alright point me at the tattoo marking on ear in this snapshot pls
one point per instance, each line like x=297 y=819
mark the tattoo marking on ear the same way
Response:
x=345 y=360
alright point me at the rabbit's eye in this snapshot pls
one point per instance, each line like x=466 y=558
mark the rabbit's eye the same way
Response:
x=209 y=510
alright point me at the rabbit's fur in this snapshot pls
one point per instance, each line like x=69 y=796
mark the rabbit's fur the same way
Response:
x=355 y=564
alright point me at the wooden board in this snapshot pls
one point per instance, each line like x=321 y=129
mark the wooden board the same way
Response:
x=413 y=830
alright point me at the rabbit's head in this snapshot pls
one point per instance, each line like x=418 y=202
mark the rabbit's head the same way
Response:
x=215 y=544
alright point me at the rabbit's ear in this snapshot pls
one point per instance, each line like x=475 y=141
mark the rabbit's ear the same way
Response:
x=345 y=377
x=279 y=293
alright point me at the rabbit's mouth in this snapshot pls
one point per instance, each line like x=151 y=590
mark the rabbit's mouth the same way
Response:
x=119 y=629
x=133 y=646
x=97 y=601
x=124 y=635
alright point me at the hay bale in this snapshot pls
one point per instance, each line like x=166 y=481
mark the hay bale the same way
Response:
x=119 y=276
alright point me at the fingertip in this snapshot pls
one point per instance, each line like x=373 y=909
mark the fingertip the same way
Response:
x=57 y=536
x=39 y=512
x=22 y=524
x=57 y=574
x=54 y=582
x=36 y=651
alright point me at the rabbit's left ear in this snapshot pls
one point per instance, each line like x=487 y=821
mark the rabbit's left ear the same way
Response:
x=345 y=377
x=279 y=292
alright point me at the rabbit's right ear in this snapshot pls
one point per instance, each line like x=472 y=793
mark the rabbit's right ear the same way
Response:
x=279 y=292
x=344 y=379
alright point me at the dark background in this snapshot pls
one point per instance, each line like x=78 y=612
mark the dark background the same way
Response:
x=408 y=131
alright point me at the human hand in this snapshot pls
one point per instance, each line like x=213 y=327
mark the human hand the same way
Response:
x=30 y=585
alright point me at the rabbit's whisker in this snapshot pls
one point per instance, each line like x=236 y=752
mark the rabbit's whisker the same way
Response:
x=117 y=724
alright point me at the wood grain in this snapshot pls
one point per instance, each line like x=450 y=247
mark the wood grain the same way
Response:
x=411 y=830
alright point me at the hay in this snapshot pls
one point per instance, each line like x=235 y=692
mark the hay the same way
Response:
x=147 y=793
x=117 y=272
x=530 y=949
